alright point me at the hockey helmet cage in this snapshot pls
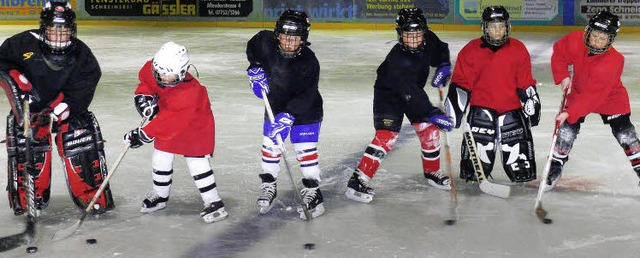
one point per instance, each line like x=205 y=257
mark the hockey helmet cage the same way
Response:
x=411 y=20
x=293 y=23
x=493 y=14
x=58 y=30
x=605 y=22
x=171 y=59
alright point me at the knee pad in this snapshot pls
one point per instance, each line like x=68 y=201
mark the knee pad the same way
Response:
x=429 y=136
x=383 y=142
x=81 y=148
x=41 y=162
x=518 y=157
x=483 y=123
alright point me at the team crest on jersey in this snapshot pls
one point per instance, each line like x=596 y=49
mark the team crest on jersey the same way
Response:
x=27 y=55
x=78 y=132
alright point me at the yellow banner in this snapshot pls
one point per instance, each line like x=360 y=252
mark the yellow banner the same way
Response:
x=24 y=8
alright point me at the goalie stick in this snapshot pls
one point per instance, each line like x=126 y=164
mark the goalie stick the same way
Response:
x=280 y=143
x=67 y=232
x=453 y=210
x=498 y=190
x=28 y=236
x=540 y=212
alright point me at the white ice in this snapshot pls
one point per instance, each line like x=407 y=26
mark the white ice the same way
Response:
x=595 y=208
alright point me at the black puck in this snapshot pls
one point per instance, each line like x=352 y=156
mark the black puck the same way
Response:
x=91 y=241
x=450 y=222
x=309 y=246
x=32 y=249
x=547 y=221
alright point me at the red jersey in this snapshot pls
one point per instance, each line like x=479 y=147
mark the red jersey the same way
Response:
x=493 y=77
x=596 y=86
x=184 y=124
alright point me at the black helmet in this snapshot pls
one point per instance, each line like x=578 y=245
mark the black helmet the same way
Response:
x=605 y=22
x=57 y=14
x=410 y=20
x=293 y=23
x=495 y=14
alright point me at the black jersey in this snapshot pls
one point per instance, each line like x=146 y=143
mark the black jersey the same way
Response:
x=403 y=75
x=77 y=80
x=293 y=82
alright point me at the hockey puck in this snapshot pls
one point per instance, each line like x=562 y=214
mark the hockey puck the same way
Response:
x=547 y=221
x=91 y=241
x=309 y=246
x=32 y=249
x=450 y=222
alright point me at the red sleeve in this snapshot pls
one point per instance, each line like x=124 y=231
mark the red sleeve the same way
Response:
x=525 y=78
x=147 y=83
x=463 y=72
x=563 y=51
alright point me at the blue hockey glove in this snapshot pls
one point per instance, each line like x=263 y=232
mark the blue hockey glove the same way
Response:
x=281 y=126
x=441 y=120
x=441 y=76
x=146 y=105
x=258 y=80
x=136 y=138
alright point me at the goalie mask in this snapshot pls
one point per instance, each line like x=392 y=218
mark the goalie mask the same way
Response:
x=495 y=25
x=410 y=26
x=57 y=33
x=601 y=31
x=292 y=31
x=170 y=64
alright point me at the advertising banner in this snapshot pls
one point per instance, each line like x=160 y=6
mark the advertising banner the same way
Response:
x=627 y=10
x=202 y=8
x=24 y=8
x=522 y=10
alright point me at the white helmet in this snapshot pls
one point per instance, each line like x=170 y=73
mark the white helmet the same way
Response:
x=171 y=59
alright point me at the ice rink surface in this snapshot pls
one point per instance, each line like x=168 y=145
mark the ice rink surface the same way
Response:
x=595 y=207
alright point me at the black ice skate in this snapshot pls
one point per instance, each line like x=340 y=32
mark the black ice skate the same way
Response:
x=269 y=193
x=358 y=191
x=438 y=180
x=213 y=212
x=312 y=198
x=153 y=202
x=555 y=172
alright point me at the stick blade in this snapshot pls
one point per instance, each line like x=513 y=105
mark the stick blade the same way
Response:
x=541 y=213
x=67 y=232
x=498 y=190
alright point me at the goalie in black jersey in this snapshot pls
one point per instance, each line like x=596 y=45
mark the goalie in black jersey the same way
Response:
x=286 y=71
x=58 y=74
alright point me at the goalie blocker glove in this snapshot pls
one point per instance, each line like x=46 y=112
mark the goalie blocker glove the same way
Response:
x=136 y=138
x=530 y=103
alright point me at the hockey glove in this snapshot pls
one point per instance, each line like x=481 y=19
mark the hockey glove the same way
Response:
x=441 y=120
x=441 y=77
x=258 y=80
x=281 y=126
x=530 y=103
x=146 y=105
x=136 y=138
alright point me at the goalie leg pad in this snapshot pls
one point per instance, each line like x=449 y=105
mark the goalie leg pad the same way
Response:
x=483 y=123
x=81 y=148
x=518 y=157
x=15 y=95
x=382 y=143
x=41 y=161
x=625 y=133
x=429 y=136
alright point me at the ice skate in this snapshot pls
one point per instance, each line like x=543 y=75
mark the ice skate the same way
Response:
x=358 y=191
x=555 y=172
x=153 y=203
x=213 y=212
x=269 y=193
x=438 y=180
x=312 y=198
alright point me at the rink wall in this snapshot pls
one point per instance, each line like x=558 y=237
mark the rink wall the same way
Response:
x=528 y=15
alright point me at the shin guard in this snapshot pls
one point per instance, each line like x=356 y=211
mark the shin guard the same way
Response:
x=382 y=143
x=625 y=133
x=81 y=148
x=429 y=136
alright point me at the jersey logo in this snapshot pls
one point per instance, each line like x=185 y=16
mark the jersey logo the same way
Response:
x=27 y=55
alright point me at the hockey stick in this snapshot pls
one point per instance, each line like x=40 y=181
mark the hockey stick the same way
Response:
x=67 y=232
x=453 y=211
x=498 y=190
x=540 y=212
x=28 y=236
x=280 y=143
